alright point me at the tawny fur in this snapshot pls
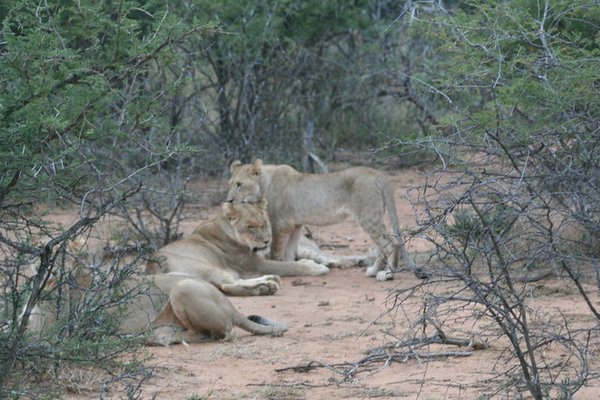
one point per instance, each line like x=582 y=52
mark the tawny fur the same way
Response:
x=223 y=252
x=174 y=308
x=296 y=199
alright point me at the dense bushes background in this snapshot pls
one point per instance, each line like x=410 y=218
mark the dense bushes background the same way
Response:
x=112 y=107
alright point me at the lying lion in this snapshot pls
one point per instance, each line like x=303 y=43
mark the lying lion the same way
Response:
x=174 y=308
x=223 y=251
x=296 y=199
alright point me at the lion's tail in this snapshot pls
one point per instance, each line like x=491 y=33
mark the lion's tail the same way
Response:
x=261 y=326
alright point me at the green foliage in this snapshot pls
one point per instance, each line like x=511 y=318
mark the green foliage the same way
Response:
x=127 y=75
x=99 y=100
x=80 y=329
x=77 y=122
x=471 y=229
x=65 y=73
x=521 y=82
x=523 y=56
x=268 y=68
x=528 y=93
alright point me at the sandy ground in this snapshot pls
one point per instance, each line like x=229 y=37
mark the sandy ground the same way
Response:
x=335 y=319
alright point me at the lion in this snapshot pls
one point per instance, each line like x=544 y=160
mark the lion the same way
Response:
x=296 y=199
x=173 y=308
x=309 y=249
x=224 y=252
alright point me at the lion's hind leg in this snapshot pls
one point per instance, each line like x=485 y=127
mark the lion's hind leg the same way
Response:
x=200 y=309
x=168 y=329
x=385 y=247
x=371 y=215
x=309 y=250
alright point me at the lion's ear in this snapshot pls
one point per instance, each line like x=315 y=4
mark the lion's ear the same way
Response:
x=235 y=165
x=257 y=166
x=230 y=211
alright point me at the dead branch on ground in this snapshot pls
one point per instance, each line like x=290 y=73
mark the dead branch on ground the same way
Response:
x=400 y=352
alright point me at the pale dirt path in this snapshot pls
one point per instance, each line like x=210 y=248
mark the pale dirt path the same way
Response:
x=333 y=319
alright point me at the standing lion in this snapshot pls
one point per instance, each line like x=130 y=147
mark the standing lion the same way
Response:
x=296 y=199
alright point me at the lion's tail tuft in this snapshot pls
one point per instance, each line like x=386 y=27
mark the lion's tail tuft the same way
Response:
x=263 y=326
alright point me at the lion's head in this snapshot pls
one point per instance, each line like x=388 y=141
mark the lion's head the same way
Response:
x=244 y=183
x=250 y=223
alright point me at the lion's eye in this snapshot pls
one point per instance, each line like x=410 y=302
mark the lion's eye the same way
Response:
x=238 y=184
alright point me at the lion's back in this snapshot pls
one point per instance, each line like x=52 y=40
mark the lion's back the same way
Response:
x=323 y=199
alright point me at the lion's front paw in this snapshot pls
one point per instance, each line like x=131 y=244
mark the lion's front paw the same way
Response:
x=314 y=268
x=267 y=288
x=269 y=284
x=274 y=278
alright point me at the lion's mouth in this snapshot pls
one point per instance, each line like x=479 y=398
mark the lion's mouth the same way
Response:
x=256 y=249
